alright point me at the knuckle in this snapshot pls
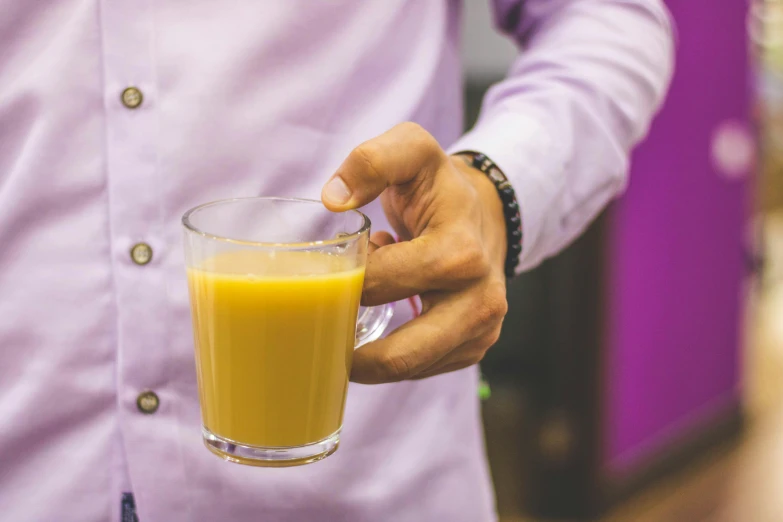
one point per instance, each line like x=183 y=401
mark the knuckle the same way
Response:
x=397 y=366
x=498 y=308
x=483 y=315
x=420 y=137
x=494 y=304
x=466 y=259
x=368 y=155
x=417 y=132
x=473 y=258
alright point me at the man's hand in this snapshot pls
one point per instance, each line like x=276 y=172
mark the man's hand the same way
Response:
x=449 y=219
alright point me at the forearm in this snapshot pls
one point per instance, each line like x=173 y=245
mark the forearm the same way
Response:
x=580 y=96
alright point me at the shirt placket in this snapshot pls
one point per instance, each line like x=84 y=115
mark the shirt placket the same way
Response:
x=144 y=394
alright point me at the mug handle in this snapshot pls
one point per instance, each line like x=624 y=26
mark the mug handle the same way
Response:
x=372 y=323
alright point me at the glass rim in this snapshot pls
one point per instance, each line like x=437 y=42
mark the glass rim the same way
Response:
x=186 y=222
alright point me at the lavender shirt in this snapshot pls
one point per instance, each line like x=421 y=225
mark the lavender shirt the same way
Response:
x=245 y=97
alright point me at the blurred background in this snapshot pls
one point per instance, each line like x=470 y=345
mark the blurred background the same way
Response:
x=640 y=373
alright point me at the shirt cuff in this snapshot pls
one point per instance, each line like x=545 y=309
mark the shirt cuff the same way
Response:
x=524 y=150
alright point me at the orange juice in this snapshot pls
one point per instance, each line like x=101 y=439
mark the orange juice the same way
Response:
x=275 y=334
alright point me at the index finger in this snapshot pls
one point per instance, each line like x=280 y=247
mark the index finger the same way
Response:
x=441 y=260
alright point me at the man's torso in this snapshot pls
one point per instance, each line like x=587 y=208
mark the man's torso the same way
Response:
x=240 y=98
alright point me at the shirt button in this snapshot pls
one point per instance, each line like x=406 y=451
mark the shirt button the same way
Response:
x=147 y=402
x=141 y=253
x=131 y=97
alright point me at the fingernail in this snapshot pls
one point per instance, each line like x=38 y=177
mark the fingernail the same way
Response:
x=336 y=191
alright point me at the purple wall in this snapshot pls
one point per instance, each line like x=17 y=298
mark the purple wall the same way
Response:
x=676 y=258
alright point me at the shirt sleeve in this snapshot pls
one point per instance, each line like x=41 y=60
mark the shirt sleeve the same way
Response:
x=589 y=78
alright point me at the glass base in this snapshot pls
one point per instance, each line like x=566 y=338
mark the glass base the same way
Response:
x=270 y=457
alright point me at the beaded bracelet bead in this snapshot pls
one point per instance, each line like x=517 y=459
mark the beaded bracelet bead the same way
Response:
x=507 y=195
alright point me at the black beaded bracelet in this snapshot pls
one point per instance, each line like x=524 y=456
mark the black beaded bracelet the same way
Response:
x=481 y=162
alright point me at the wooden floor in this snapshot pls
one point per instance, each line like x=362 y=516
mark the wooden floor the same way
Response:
x=742 y=482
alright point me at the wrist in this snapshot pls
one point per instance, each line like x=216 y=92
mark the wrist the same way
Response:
x=494 y=224
x=504 y=192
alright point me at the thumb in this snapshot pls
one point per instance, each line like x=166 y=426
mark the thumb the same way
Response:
x=396 y=157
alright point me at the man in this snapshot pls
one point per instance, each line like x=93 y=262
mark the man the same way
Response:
x=117 y=116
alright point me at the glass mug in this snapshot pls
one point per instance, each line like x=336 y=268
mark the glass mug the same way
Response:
x=275 y=286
